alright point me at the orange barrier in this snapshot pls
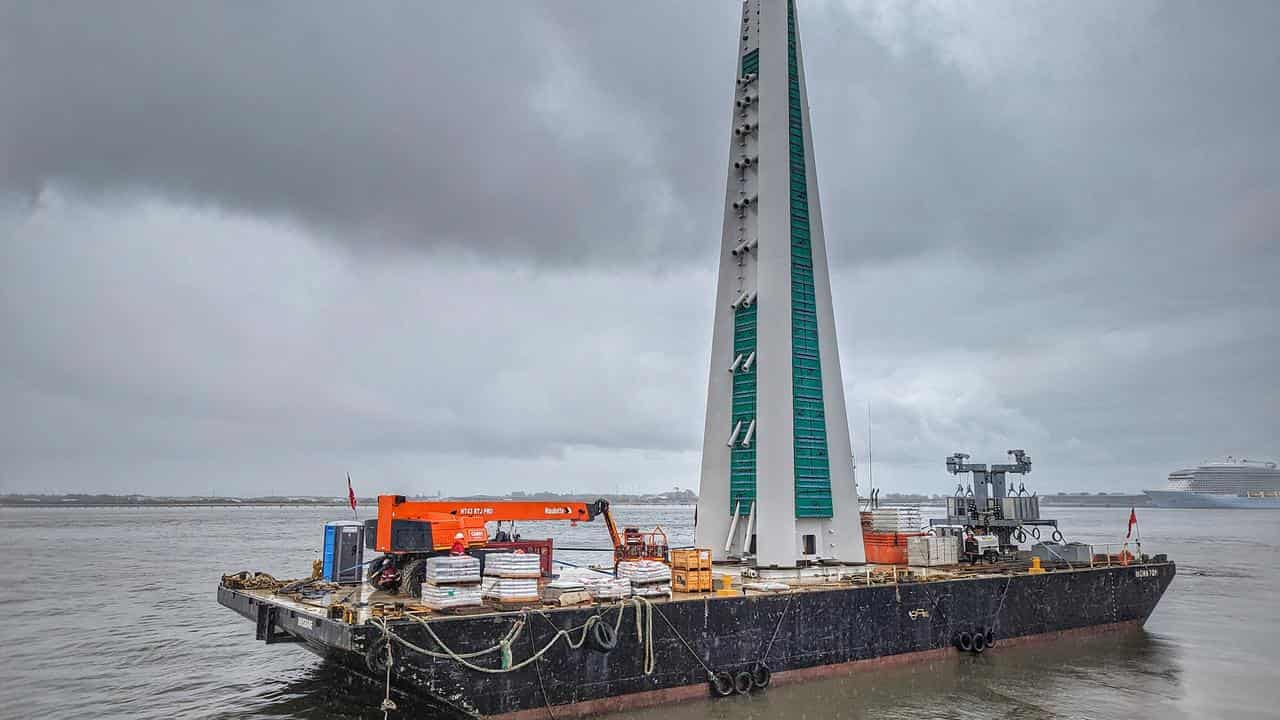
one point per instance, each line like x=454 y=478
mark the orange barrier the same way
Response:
x=886 y=548
x=887 y=554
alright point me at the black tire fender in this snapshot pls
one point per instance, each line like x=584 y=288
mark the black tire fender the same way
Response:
x=1035 y=532
x=743 y=682
x=760 y=676
x=979 y=642
x=721 y=684
x=603 y=638
x=990 y=637
x=964 y=641
x=1057 y=535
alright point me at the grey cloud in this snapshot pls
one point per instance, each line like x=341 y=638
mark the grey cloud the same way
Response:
x=252 y=344
x=568 y=133
x=477 y=240
x=405 y=124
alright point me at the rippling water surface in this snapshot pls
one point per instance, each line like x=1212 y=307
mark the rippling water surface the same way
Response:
x=111 y=613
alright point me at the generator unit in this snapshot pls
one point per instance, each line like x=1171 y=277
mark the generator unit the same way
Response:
x=344 y=552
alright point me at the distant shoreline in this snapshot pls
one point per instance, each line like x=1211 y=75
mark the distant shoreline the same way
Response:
x=139 y=501
x=684 y=497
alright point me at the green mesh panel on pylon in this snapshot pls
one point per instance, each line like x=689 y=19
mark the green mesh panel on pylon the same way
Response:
x=812 y=466
x=750 y=62
x=742 y=460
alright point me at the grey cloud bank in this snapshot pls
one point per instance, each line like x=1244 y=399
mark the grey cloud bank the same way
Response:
x=254 y=248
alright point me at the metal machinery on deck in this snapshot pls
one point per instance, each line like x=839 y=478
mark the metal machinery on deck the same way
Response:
x=987 y=508
x=407 y=532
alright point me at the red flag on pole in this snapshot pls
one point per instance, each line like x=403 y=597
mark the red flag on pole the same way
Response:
x=351 y=493
x=1133 y=520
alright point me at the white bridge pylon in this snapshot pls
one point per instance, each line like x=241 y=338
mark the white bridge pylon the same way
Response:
x=777 y=484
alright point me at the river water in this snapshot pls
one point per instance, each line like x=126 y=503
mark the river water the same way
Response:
x=111 y=613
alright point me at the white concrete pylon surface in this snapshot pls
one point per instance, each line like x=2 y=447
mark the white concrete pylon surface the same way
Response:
x=773 y=305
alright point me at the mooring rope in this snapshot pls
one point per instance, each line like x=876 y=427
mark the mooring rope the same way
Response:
x=644 y=635
x=694 y=653
x=785 y=608
x=541 y=685
x=644 y=632
x=995 y=616
x=387 y=703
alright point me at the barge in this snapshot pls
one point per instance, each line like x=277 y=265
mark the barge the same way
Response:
x=679 y=648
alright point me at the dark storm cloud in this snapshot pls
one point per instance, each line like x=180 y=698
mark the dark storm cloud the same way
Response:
x=413 y=124
x=473 y=243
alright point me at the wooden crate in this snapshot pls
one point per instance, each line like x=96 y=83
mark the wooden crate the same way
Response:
x=691 y=559
x=684 y=580
x=691 y=580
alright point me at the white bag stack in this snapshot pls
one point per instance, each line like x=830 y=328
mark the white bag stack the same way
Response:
x=438 y=597
x=649 y=578
x=446 y=569
x=452 y=581
x=641 y=572
x=513 y=565
x=609 y=588
x=902 y=520
x=510 y=590
x=652 y=590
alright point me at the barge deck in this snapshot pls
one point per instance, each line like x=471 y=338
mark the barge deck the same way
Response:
x=520 y=663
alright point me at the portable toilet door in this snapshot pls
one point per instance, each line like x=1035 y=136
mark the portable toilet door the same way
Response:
x=343 y=551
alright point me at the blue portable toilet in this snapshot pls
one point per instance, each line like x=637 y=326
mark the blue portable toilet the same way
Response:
x=343 y=551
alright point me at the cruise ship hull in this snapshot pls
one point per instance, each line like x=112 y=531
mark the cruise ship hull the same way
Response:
x=1180 y=499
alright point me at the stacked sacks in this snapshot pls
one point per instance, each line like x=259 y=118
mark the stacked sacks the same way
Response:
x=648 y=578
x=607 y=588
x=511 y=590
x=512 y=577
x=453 y=569
x=452 y=581
x=513 y=565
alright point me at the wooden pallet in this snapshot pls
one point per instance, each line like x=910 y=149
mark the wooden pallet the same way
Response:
x=464 y=610
x=512 y=606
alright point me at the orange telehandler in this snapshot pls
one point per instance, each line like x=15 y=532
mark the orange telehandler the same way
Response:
x=407 y=532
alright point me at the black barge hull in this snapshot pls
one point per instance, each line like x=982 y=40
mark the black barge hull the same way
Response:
x=797 y=634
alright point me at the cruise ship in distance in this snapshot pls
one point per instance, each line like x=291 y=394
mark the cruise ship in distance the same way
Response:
x=1229 y=483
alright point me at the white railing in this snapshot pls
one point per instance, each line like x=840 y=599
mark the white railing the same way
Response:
x=1128 y=552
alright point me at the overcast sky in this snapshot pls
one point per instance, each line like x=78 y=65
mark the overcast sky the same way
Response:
x=249 y=247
